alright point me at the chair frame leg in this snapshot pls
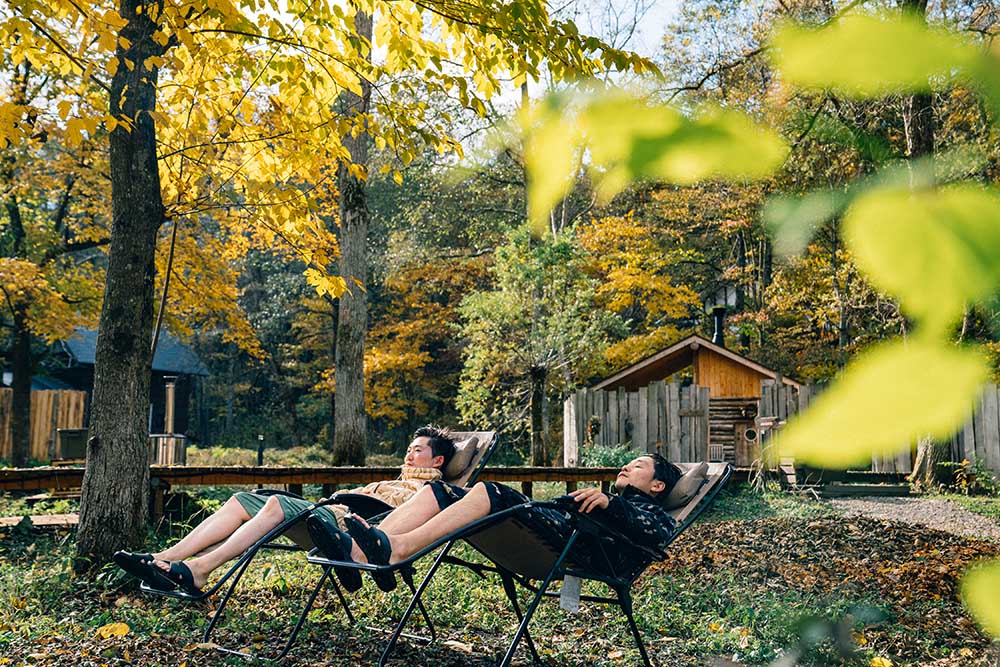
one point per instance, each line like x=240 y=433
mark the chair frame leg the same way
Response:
x=510 y=588
x=407 y=576
x=414 y=603
x=625 y=602
x=523 y=627
x=217 y=615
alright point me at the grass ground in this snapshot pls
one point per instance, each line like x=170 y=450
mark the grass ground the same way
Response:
x=760 y=578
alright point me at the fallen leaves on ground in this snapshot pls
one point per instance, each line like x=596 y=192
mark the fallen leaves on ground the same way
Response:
x=913 y=571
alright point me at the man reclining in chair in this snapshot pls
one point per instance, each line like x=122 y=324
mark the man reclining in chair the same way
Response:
x=246 y=517
x=439 y=509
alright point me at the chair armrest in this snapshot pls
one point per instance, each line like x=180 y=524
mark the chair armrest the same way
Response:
x=361 y=504
x=587 y=522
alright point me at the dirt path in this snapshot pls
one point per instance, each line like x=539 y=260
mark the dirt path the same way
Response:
x=930 y=512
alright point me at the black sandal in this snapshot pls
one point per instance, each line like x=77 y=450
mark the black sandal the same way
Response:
x=132 y=562
x=181 y=575
x=334 y=547
x=375 y=545
x=154 y=577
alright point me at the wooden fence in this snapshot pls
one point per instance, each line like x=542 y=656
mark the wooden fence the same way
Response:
x=661 y=416
x=980 y=437
x=50 y=410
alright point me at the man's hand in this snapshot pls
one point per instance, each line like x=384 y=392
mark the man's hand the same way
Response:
x=590 y=498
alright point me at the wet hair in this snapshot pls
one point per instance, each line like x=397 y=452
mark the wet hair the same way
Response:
x=666 y=472
x=441 y=442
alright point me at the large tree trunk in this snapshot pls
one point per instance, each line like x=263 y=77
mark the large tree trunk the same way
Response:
x=539 y=451
x=114 y=504
x=352 y=321
x=21 y=361
x=20 y=408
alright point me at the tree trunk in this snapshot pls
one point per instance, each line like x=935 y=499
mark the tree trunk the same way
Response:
x=918 y=124
x=20 y=408
x=335 y=315
x=741 y=263
x=925 y=468
x=352 y=322
x=21 y=362
x=114 y=503
x=539 y=453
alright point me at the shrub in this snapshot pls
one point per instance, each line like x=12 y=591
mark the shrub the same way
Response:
x=599 y=456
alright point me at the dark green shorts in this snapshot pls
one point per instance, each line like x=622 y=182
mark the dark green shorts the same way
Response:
x=291 y=507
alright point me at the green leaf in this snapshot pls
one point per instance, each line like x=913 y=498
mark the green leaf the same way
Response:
x=885 y=400
x=935 y=250
x=551 y=161
x=981 y=594
x=867 y=55
x=632 y=140
x=628 y=139
x=793 y=221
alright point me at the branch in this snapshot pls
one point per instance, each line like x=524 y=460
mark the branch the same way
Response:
x=65 y=52
x=715 y=71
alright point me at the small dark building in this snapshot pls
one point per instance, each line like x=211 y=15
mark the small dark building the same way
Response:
x=174 y=362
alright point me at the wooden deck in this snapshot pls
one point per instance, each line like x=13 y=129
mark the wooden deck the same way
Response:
x=43 y=520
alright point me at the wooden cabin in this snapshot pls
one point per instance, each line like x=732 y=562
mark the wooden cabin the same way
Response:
x=731 y=382
x=174 y=382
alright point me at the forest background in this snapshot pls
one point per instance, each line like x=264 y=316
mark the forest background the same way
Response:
x=470 y=316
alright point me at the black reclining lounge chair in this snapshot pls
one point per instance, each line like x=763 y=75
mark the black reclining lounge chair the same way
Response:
x=473 y=450
x=522 y=556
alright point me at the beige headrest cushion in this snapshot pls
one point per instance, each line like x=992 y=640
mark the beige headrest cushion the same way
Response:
x=465 y=450
x=687 y=487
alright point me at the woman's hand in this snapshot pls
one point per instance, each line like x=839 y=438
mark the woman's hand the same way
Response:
x=589 y=499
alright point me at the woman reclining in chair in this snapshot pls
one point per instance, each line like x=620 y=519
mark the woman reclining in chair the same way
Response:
x=246 y=517
x=439 y=509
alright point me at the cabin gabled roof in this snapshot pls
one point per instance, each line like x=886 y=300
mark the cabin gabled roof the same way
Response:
x=172 y=356
x=674 y=358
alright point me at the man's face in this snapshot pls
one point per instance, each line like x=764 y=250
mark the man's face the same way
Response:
x=420 y=455
x=639 y=473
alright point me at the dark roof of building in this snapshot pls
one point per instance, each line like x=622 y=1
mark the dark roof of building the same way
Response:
x=679 y=355
x=172 y=356
x=45 y=383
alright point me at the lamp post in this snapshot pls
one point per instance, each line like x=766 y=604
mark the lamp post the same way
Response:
x=717 y=302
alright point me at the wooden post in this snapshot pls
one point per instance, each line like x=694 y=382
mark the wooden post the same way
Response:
x=570 y=487
x=704 y=436
x=526 y=489
x=295 y=488
x=622 y=400
x=673 y=407
x=968 y=440
x=979 y=426
x=54 y=424
x=641 y=441
x=158 y=489
x=991 y=428
x=611 y=426
x=328 y=490
x=571 y=437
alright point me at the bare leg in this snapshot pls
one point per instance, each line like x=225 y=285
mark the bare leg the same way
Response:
x=414 y=512
x=241 y=540
x=475 y=505
x=216 y=528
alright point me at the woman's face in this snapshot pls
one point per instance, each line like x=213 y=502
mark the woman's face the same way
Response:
x=639 y=474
